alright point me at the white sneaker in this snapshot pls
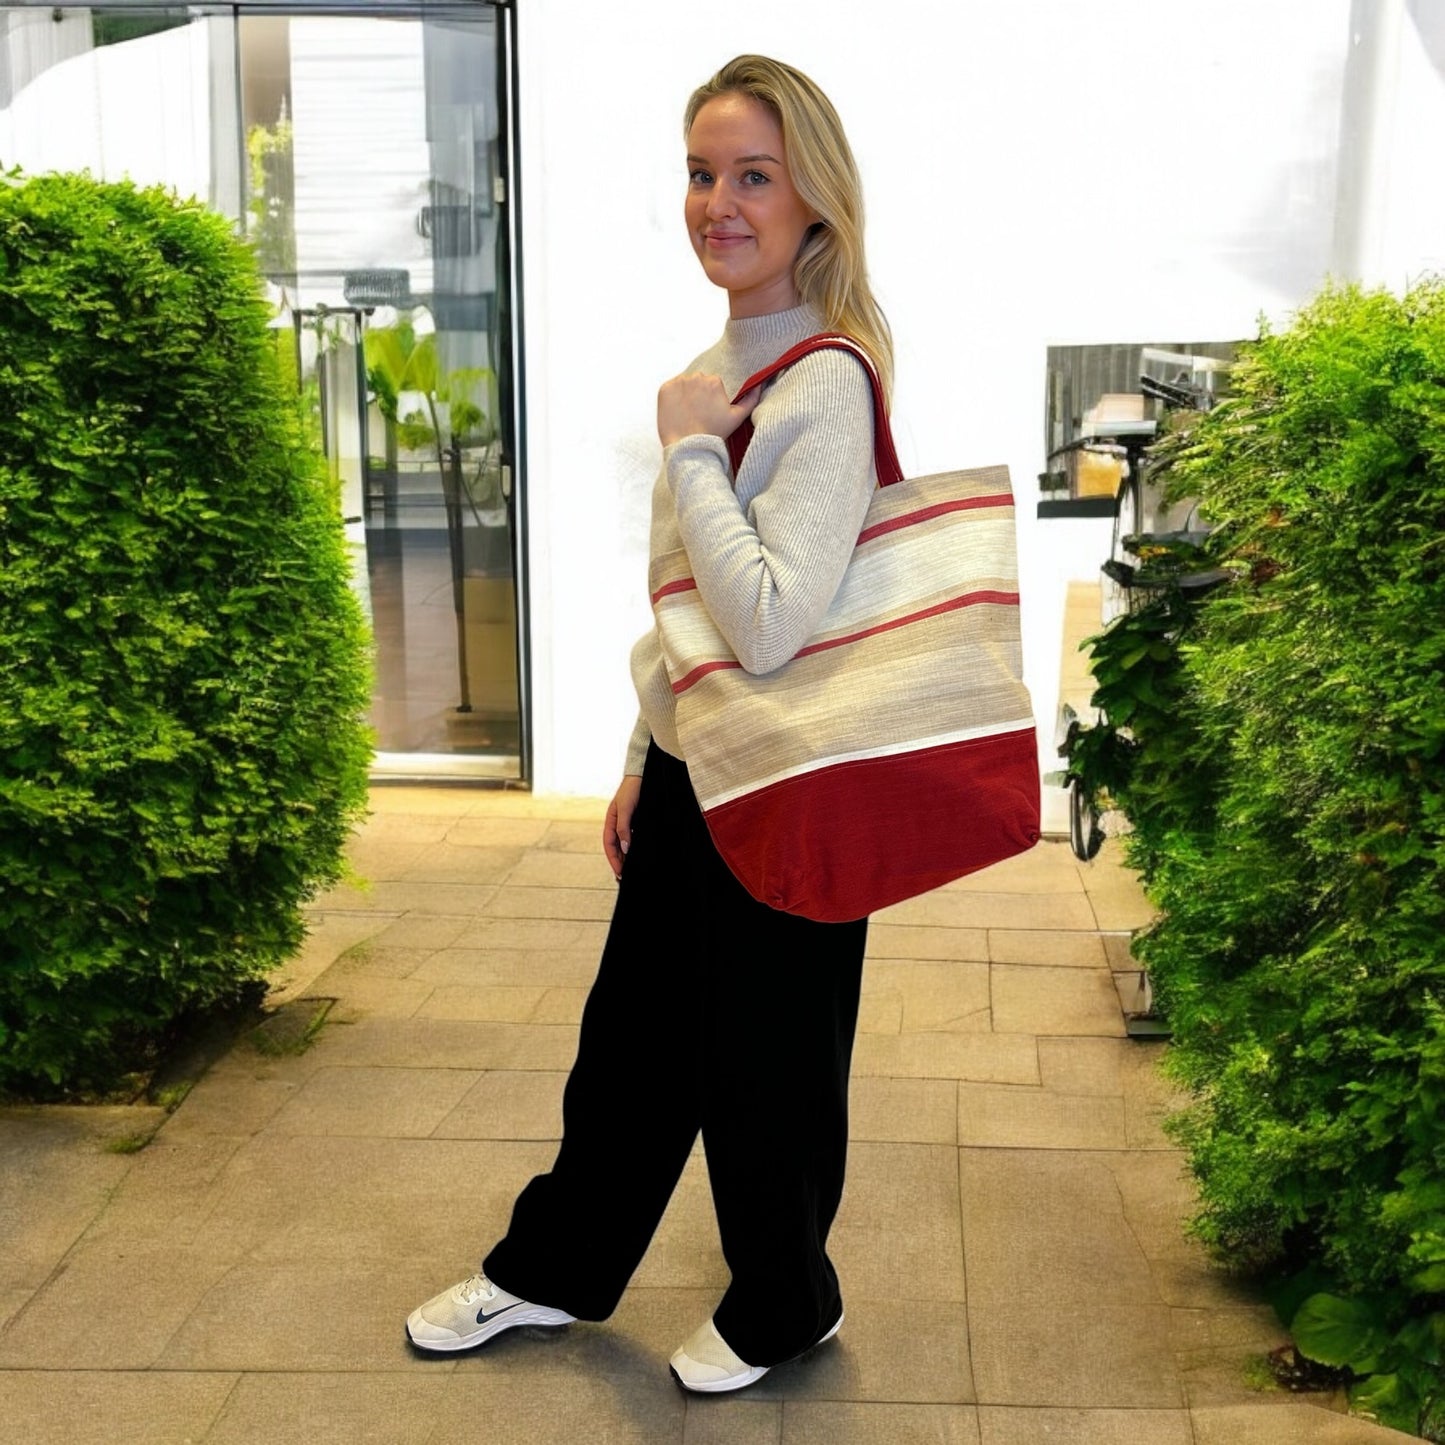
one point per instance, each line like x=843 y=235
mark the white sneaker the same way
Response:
x=471 y=1312
x=706 y=1362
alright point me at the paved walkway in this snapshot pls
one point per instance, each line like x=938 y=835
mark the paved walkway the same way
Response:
x=1009 y=1243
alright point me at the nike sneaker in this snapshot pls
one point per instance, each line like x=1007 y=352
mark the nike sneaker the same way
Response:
x=471 y=1312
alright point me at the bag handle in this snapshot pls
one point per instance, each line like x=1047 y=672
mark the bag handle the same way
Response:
x=885 y=455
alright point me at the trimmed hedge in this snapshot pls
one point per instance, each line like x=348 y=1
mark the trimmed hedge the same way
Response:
x=1288 y=808
x=183 y=664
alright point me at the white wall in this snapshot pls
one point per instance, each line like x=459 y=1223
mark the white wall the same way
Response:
x=1042 y=171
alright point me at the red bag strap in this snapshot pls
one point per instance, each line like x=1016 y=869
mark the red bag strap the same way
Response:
x=885 y=456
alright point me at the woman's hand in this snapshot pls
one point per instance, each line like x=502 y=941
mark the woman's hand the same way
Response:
x=698 y=405
x=617 y=828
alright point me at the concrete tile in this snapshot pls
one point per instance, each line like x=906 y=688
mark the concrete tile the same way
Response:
x=285 y=1317
x=1086 y=1354
x=944 y=909
x=412 y=799
x=328 y=937
x=1048 y=867
x=109 y=1407
x=374 y=858
x=114 y=1308
x=406 y=828
x=1004 y=1117
x=369 y=1102
x=893 y=940
x=897 y=1232
x=585 y=1406
x=549 y=968
x=1004 y=1425
x=893 y=1350
x=448 y=1044
x=935 y=997
x=551 y=903
x=826 y=1422
x=421 y=931
x=168 y=1194
x=373 y=958
x=1054 y=1001
x=562 y=837
x=501 y=1003
x=1087 y=1065
x=561 y=1006
x=1149 y=1098
x=381 y=1407
x=499 y=832
x=904 y=1111
x=12 y=1301
x=532 y=934
x=722 y=1420
x=1286 y=1423
x=56 y=1155
x=1043 y=1230
x=551 y=868
x=446 y=897
x=367 y=997
x=880 y=1011
x=981 y=1058
x=1220 y=1352
x=453 y=864
x=1118 y=950
x=330 y=1202
x=512 y=1104
x=1049 y=948
x=1121 y=908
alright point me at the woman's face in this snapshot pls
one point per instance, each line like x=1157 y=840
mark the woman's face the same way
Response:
x=746 y=221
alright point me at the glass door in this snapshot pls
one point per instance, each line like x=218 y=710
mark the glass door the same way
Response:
x=375 y=205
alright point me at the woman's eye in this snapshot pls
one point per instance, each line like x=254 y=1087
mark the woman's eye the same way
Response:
x=699 y=178
x=756 y=178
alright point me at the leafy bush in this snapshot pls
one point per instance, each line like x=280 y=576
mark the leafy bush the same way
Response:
x=1290 y=826
x=182 y=661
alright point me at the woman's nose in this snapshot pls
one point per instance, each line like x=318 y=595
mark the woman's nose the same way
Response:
x=719 y=201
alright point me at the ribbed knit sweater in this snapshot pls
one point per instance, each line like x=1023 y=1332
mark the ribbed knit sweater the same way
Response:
x=769 y=549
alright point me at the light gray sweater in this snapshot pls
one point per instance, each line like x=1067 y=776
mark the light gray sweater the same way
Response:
x=768 y=551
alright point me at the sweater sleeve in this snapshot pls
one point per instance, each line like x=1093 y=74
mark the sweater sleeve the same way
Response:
x=768 y=569
x=637 y=748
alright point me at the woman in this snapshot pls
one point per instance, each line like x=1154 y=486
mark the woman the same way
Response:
x=712 y=1011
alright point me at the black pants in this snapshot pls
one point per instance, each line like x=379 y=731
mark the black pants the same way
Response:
x=710 y=1011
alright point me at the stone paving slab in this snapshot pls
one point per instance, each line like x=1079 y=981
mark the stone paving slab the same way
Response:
x=1010 y=1242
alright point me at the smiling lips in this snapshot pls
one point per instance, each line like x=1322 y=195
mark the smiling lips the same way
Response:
x=725 y=239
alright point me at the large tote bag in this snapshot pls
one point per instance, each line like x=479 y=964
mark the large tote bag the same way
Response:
x=896 y=750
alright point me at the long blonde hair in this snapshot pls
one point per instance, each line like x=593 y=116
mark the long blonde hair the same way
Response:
x=831 y=272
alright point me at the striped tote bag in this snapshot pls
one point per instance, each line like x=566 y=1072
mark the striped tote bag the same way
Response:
x=896 y=750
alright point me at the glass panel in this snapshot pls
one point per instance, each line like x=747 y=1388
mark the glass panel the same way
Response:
x=150 y=97
x=372 y=152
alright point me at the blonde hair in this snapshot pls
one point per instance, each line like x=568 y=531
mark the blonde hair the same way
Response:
x=831 y=272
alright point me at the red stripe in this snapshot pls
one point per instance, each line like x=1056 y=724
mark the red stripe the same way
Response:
x=925 y=514
x=702 y=670
x=683 y=584
x=969 y=599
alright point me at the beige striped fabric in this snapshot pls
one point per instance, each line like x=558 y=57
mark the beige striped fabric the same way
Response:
x=919 y=648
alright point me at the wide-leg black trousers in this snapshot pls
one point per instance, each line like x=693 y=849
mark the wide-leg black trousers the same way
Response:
x=710 y=1012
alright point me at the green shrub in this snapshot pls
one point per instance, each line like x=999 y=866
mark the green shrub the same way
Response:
x=1299 y=870
x=182 y=660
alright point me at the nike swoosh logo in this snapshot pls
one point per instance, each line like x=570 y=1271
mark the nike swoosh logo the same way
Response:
x=483 y=1317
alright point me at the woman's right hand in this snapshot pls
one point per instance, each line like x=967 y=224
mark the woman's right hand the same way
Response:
x=617 y=828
